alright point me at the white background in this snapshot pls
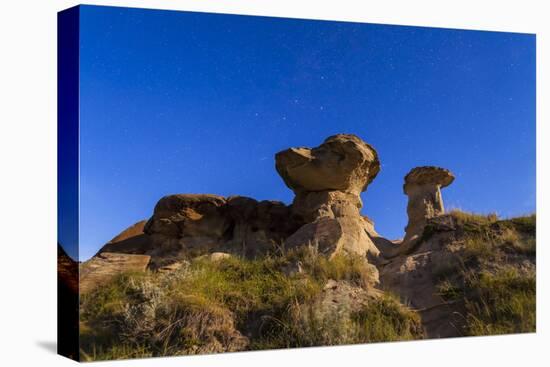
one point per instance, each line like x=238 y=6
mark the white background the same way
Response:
x=28 y=182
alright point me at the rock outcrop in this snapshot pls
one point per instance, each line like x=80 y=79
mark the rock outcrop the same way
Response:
x=327 y=181
x=186 y=225
x=423 y=187
x=412 y=276
x=130 y=241
x=343 y=162
x=199 y=224
x=103 y=267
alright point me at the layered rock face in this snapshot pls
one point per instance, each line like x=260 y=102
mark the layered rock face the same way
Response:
x=105 y=266
x=423 y=187
x=327 y=181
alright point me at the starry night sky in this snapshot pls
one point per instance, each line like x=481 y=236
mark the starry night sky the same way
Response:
x=175 y=102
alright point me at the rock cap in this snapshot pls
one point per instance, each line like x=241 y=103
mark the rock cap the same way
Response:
x=343 y=162
x=427 y=175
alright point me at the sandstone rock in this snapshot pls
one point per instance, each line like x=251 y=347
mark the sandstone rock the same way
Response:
x=343 y=298
x=414 y=277
x=411 y=277
x=327 y=181
x=423 y=187
x=130 y=241
x=184 y=226
x=369 y=226
x=342 y=163
x=258 y=227
x=310 y=206
x=105 y=266
x=189 y=215
x=334 y=235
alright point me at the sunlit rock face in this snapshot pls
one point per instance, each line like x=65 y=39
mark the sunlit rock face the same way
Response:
x=327 y=181
x=342 y=162
x=423 y=187
x=204 y=223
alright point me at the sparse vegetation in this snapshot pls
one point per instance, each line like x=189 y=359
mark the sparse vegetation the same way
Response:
x=493 y=276
x=501 y=302
x=277 y=301
x=235 y=304
x=473 y=221
x=386 y=319
x=311 y=324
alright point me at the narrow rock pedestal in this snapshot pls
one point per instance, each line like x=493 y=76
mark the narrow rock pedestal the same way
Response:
x=423 y=187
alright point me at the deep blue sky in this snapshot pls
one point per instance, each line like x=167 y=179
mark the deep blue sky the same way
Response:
x=175 y=102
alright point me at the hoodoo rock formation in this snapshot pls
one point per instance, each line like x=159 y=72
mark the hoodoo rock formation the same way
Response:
x=327 y=181
x=343 y=162
x=423 y=187
x=322 y=242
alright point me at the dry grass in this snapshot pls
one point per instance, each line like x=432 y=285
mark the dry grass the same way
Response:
x=380 y=320
x=208 y=306
x=488 y=276
x=504 y=303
